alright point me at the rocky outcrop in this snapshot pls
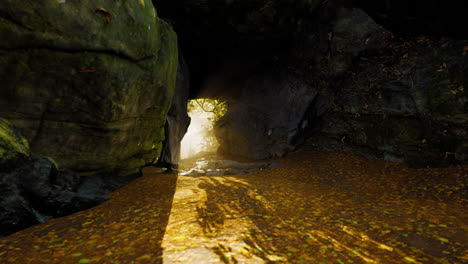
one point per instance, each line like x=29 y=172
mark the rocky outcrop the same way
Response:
x=269 y=118
x=14 y=149
x=33 y=189
x=89 y=84
x=399 y=99
x=361 y=87
x=177 y=119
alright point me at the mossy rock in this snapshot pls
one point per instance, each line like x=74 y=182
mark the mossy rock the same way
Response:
x=13 y=146
x=89 y=83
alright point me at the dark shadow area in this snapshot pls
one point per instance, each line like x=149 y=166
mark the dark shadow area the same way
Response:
x=128 y=227
x=430 y=17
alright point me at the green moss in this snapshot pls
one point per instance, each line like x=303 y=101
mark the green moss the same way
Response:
x=168 y=56
x=12 y=145
x=116 y=113
x=2 y=152
x=166 y=69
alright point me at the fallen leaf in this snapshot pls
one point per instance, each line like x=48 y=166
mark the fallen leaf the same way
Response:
x=444 y=240
x=411 y=260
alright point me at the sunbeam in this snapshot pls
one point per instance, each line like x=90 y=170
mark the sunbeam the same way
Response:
x=200 y=137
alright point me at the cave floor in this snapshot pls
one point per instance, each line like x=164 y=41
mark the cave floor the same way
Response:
x=317 y=207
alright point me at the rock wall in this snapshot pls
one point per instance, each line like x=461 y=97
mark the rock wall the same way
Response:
x=88 y=83
x=382 y=90
x=178 y=120
x=401 y=99
x=268 y=119
x=33 y=189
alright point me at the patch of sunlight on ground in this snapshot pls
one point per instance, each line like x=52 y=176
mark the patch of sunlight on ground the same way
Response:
x=196 y=235
x=200 y=137
x=202 y=230
x=294 y=214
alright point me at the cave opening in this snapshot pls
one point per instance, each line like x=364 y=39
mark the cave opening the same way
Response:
x=346 y=95
x=200 y=138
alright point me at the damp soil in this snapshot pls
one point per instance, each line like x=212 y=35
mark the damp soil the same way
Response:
x=317 y=207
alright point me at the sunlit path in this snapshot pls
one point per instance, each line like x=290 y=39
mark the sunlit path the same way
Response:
x=317 y=207
x=203 y=231
x=320 y=208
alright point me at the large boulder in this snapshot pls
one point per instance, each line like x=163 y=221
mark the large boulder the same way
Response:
x=351 y=85
x=401 y=99
x=178 y=120
x=14 y=149
x=269 y=118
x=33 y=189
x=88 y=83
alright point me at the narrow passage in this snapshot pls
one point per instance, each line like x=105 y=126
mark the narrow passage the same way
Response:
x=317 y=207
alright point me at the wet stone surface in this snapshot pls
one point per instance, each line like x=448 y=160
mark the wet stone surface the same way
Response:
x=213 y=165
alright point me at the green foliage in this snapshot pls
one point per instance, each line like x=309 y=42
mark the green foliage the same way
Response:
x=217 y=107
x=205 y=113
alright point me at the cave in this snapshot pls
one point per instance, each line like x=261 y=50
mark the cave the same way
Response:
x=301 y=64
x=207 y=131
x=200 y=137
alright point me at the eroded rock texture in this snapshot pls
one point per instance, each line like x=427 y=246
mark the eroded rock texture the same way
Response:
x=88 y=83
x=268 y=119
x=394 y=89
x=399 y=99
x=33 y=189
x=177 y=120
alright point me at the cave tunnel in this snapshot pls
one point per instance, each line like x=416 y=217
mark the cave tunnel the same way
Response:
x=284 y=71
x=200 y=137
x=337 y=131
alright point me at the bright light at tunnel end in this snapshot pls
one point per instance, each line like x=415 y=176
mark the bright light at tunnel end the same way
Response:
x=200 y=134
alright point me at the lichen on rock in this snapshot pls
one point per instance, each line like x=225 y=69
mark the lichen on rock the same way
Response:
x=88 y=84
x=34 y=189
x=12 y=145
